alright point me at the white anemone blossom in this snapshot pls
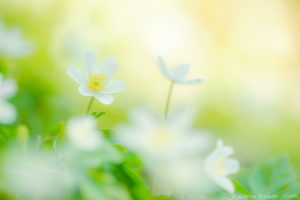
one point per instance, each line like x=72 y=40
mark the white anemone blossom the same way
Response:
x=12 y=42
x=8 y=88
x=219 y=166
x=96 y=81
x=176 y=74
x=82 y=133
x=170 y=150
x=155 y=138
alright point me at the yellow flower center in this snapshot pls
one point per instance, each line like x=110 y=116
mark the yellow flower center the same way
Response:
x=161 y=138
x=219 y=170
x=96 y=82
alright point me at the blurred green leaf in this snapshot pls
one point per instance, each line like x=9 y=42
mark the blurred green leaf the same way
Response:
x=97 y=114
x=291 y=192
x=161 y=198
x=275 y=177
x=134 y=183
x=107 y=133
x=240 y=188
x=91 y=190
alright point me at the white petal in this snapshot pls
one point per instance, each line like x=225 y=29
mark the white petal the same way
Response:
x=181 y=71
x=144 y=118
x=225 y=151
x=180 y=119
x=221 y=151
x=8 y=113
x=76 y=74
x=225 y=183
x=231 y=166
x=82 y=132
x=126 y=136
x=84 y=91
x=114 y=87
x=219 y=143
x=104 y=98
x=209 y=165
x=88 y=123
x=191 y=81
x=8 y=88
x=197 y=142
x=109 y=67
x=90 y=61
x=162 y=67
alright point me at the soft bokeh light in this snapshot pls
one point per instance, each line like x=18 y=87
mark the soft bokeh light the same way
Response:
x=247 y=51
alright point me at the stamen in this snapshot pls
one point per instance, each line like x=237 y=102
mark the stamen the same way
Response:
x=161 y=137
x=96 y=82
x=219 y=170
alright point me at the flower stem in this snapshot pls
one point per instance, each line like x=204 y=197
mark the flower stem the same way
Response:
x=90 y=105
x=3 y=136
x=167 y=106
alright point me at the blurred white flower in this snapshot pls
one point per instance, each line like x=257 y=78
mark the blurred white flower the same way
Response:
x=12 y=42
x=8 y=88
x=171 y=151
x=219 y=166
x=96 y=81
x=177 y=74
x=35 y=176
x=156 y=139
x=82 y=132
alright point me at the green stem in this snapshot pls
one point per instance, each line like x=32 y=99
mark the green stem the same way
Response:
x=167 y=106
x=3 y=136
x=90 y=105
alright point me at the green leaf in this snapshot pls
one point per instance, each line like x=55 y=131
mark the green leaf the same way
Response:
x=240 y=188
x=133 y=161
x=134 y=183
x=107 y=133
x=91 y=190
x=161 y=198
x=291 y=192
x=272 y=177
x=97 y=114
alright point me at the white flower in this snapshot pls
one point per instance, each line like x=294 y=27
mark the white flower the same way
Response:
x=12 y=42
x=219 y=166
x=8 y=88
x=177 y=74
x=82 y=132
x=96 y=81
x=159 y=140
x=171 y=150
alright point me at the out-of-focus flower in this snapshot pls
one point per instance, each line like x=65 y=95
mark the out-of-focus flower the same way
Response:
x=219 y=166
x=177 y=74
x=82 y=132
x=12 y=42
x=171 y=150
x=36 y=175
x=156 y=139
x=8 y=88
x=96 y=81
